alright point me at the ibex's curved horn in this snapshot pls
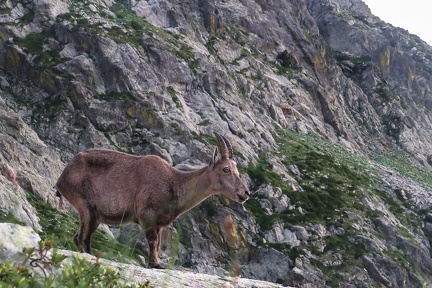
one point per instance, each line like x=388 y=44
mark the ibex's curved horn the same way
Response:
x=224 y=146
x=230 y=149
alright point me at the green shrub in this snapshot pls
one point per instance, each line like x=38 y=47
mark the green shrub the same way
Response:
x=136 y=25
x=47 y=270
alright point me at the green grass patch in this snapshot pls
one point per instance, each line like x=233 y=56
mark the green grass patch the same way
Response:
x=387 y=93
x=204 y=123
x=174 y=97
x=135 y=27
x=342 y=243
x=208 y=138
x=392 y=126
x=401 y=162
x=5 y=11
x=265 y=221
x=27 y=18
x=7 y=217
x=33 y=43
x=283 y=70
x=350 y=251
x=210 y=46
x=186 y=54
x=309 y=35
x=403 y=260
x=332 y=178
x=408 y=219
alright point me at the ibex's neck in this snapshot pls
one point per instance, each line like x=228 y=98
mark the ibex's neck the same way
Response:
x=194 y=187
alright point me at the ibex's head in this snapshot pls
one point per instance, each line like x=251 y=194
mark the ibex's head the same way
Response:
x=225 y=178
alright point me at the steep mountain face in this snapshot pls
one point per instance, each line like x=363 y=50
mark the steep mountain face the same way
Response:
x=392 y=67
x=160 y=76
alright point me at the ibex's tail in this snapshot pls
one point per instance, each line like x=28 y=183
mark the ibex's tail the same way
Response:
x=60 y=200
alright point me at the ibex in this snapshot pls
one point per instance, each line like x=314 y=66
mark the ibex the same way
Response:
x=116 y=188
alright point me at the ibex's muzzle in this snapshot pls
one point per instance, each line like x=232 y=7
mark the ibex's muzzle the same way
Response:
x=243 y=196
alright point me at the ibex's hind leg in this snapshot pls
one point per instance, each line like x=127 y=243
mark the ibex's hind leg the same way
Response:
x=89 y=223
x=159 y=240
x=77 y=241
x=153 y=237
x=94 y=224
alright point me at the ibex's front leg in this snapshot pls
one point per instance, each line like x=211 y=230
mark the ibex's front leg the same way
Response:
x=154 y=240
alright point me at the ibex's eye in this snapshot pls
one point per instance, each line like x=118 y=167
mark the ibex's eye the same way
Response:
x=226 y=170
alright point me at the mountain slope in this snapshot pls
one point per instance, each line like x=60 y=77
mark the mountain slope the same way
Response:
x=328 y=109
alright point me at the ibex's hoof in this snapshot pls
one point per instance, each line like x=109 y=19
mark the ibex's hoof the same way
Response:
x=157 y=266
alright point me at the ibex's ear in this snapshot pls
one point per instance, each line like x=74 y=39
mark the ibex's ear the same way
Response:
x=214 y=158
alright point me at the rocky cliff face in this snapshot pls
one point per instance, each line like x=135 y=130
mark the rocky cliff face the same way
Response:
x=160 y=76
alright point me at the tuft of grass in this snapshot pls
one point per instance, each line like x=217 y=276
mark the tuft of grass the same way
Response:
x=340 y=56
x=27 y=18
x=342 y=243
x=8 y=217
x=33 y=43
x=135 y=27
x=210 y=46
x=387 y=93
x=209 y=138
x=392 y=125
x=284 y=70
x=186 y=54
x=204 y=123
x=5 y=11
x=174 y=97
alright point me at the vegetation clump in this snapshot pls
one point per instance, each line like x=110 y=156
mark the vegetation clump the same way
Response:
x=392 y=126
x=8 y=217
x=343 y=56
x=330 y=179
x=33 y=43
x=44 y=267
x=134 y=27
x=186 y=54
x=387 y=93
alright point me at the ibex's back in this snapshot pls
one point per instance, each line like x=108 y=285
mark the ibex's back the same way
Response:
x=115 y=188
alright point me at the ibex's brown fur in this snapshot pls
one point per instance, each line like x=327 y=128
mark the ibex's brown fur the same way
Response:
x=116 y=188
